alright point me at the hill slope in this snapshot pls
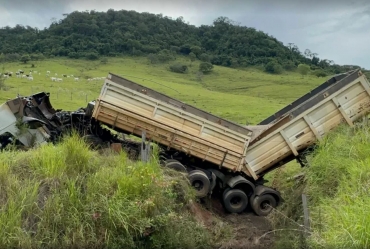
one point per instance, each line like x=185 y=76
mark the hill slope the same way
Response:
x=239 y=95
x=92 y=34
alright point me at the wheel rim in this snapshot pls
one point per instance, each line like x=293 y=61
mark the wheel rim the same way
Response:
x=198 y=185
x=236 y=202
x=265 y=205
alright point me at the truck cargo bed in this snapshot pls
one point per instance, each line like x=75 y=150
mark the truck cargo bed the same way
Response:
x=344 y=98
x=133 y=108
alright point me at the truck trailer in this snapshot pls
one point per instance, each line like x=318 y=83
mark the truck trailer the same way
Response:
x=221 y=158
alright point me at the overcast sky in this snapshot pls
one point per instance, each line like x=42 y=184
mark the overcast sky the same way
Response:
x=334 y=29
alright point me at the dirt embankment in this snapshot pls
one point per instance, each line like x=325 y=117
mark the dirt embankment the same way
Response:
x=249 y=231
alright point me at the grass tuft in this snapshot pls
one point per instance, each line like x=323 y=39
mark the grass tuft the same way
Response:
x=67 y=196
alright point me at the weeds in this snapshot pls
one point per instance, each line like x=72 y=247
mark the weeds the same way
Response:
x=67 y=196
x=338 y=184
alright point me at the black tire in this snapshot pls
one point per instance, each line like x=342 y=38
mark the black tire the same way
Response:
x=235 y=201
x=175 y=165
x=214 y=181
x=262 y=205
x=200 y=182
x=164 y=161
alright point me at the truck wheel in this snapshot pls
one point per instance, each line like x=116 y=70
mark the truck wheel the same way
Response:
x=164 y=161
x=214 y=181
x=262 y=205
x=200 y=182
x=175 y=165
x=235 y=200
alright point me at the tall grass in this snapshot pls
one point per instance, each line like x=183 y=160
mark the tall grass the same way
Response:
x=67 y=196
x=337 y=182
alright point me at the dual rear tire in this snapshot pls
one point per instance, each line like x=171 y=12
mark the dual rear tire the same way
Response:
x=236 y=201
x=198 y=179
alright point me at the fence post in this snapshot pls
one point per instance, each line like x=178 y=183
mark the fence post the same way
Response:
x=306 y=215
x=144 y=147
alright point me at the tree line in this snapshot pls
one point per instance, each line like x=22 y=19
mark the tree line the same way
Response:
x=92 y=34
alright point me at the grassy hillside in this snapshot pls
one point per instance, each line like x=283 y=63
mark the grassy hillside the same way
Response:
x=67 y=196
x=247 y=95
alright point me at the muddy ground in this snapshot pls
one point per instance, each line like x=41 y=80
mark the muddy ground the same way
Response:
x=250 y=231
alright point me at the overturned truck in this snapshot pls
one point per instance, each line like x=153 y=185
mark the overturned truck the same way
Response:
x=222 y=158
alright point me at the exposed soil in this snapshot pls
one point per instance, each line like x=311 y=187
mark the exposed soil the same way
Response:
x=250 y=231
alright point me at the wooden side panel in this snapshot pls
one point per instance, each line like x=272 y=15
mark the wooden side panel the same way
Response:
x=169 y=126
x=345 y=106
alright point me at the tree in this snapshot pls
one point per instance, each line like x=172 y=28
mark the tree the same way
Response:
x=25 y=58
x=303 y=69
x=204 y=57
x=196 y=50
x=205 y=67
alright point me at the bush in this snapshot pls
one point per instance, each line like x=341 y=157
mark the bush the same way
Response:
x=320 y=73
x=92 y=56
x=178 y=68
x=205 y=67
x=289 y=66
x=273 y=67
x=303 y=69
x=162 y=57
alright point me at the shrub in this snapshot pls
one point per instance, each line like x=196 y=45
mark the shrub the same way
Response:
x=303 y=69
x=273 y=67
x=178 y=68
x=320 y=73
x=205 y=67
x=92 y=56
